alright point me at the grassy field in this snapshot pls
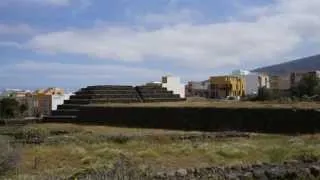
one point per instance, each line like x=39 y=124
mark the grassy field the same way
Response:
x=63 y=150
x=221 y=104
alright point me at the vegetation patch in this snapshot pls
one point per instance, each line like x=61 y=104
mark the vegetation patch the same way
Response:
x=9 y=156
x=97 y=150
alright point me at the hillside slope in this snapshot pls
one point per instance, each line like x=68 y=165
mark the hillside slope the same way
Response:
x=305 y=64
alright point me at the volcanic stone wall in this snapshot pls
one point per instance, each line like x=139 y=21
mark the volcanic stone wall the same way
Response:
x=265 y=120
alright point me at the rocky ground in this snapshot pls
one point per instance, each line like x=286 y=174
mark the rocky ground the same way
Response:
x=290 y=170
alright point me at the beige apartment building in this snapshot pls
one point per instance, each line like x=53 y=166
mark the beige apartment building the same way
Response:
x=280 y=82
x=295 y=77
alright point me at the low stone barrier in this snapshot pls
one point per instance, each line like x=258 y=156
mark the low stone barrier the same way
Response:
x=266 y=120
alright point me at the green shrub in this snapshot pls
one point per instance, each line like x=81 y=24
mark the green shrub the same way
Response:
x=277 y=155
x=122 y=169
x=32 y=135
x=9 y=108
x=120 y=139
x=307 y=155
x=285 y=100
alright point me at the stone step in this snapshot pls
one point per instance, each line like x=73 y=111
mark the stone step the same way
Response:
x=54 y=119
x=162 y=95
x=156 y=92
x=163 y=99
x=77 y=101
x=101 y=101
x=65 y=112
x=68 y=106
x=108 y=87
x=105 y=96
x=151 y=87
x=88 y=92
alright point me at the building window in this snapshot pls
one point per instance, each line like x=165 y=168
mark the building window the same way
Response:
x=164 y=80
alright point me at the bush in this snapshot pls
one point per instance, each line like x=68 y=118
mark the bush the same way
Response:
x=123 y=169
x=309 y=85
x=32 y=135
x=9 y=156
x=285 y=100
x=306 y=98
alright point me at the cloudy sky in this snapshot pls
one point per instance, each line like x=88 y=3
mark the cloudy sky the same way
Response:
x=74 y=43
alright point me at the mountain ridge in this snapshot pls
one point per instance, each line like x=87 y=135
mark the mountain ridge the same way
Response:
x=310 y=63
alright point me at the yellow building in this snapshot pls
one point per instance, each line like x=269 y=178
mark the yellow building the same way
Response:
x=223 y=86
x=50 y=91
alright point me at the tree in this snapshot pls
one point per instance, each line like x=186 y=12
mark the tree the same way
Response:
x=23 y=108
x=309 y=85
x=9 y=108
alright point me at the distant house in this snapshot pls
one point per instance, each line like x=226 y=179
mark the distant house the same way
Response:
x=59 y=100
x=41 y=101
x=253 y=81
x=226 y=86
x=50 y=91
x=295 y=77
x=173 y=83
x=13 y=93
x=49 y=99
x=280 y=82
x=197 y=89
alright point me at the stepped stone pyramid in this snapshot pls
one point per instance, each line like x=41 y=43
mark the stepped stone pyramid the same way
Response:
x=112 y=94
x=155 y=93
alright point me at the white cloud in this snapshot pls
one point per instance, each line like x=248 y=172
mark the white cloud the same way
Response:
x=17 y=29
x=277 y=31
x=171 y=17
x=84 y=73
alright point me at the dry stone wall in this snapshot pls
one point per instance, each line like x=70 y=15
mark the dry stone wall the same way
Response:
x=266 y=120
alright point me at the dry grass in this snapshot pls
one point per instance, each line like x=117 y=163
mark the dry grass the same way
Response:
x=221 y=104
x=69 y=149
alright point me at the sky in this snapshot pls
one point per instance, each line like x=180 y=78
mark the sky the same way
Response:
x=75 y=43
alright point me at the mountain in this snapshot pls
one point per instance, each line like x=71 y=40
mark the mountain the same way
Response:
x=311 y=63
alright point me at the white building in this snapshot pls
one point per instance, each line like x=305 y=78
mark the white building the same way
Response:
x=253 y=81
x=174 y=84
x=240 y=72
x=14 y=93
x=59 y=100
